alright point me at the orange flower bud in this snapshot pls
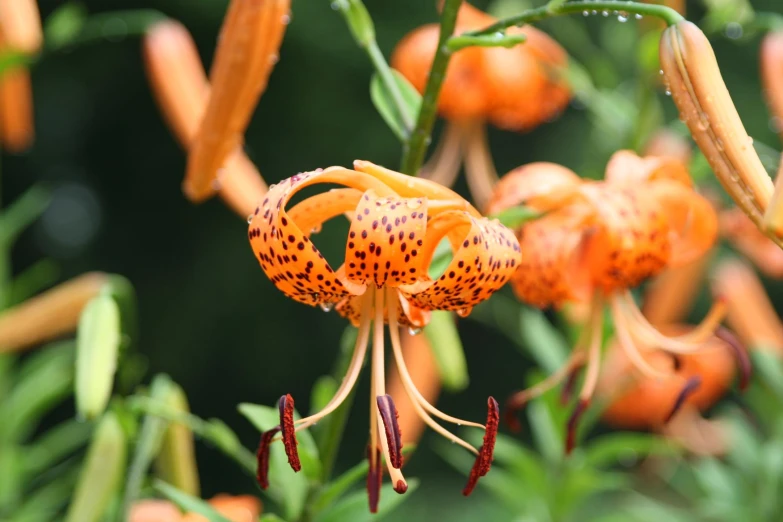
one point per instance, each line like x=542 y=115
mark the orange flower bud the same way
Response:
x=772 y=75
x=750 y=312
x=20 y=25
x=697 y=88
x=246 y=53
x=180 y=86
x=16 y=110
x=53 y=313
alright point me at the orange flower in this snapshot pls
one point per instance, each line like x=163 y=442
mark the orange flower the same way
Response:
x=772 y=75
x=515 y=89
x=243 y=508
x=246 y=53
x=598 y=240
x=20 y=31
x=685 y=385
x=182 y=91
x=397 y=222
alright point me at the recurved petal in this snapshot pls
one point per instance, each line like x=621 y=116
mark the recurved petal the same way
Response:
x=384 y=240
x=247 y=51
x=486 y=254
x=539 y=185
x=284 y=250
x=631 y=239
x=549 y=270
x=625 y=167
x=693 y=222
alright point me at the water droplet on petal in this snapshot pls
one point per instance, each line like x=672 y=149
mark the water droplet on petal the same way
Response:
x=286 y=19
x=249 y=219
x=414 y=330
x=326 y=307
x=274 y=58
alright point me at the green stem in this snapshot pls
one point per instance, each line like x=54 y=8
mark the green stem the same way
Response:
x=5 y=263
x=416 y=145
x=667 y=14
x=387 y=77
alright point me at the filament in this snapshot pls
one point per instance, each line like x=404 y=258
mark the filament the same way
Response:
x=444 y=165
x=629 y=347
x=479 y=168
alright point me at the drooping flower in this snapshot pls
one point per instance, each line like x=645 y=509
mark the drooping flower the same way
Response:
x=671 y=402
x=20 y=31
x=247 y=51
x=397 y=222
x=514 y=89
x=599 y=239
x=181 y=88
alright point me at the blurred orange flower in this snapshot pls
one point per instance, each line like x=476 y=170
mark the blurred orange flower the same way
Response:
x=514 y=89
x=243 y=508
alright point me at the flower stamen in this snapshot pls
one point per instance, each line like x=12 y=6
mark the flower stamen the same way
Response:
x=484 y=458
x=286 y=407
x=262 y=456
x=391 y=426
x=691 y=385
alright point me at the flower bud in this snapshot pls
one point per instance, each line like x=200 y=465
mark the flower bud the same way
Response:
x=176 y=461
x=49 y=315
x=692 y=74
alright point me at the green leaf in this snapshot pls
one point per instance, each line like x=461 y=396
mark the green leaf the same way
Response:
x=270 y=517
x=608 y=449
x=44 y=380
x=46 y=502
x=40 y=275
x=100 y=27
x=544 y=342
x=515 y=216
x=64 y=24
x=102 y=472
x=546 y=433
x=54 y=445
x=354 y=507
x=287 y=488
x=22 y=213
x=447 y=349
x=188 y=502
x=97 y=345
x=384 y=102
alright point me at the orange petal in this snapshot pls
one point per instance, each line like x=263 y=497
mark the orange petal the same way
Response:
x=538 y=185
x=668 y=144
x=487 y=256
x=631 y=240
x=180 y=86
x=748 y=239
x=20 y=25
x=285 y=252
x=244 y=508
x=154 y=511
x=16 y=110
x=247 y=50
x=549 y=271
x=384 y=240
x=693 y=223
x=626 y=167
x=408 y=315
x=440 y=198
x=314 y=211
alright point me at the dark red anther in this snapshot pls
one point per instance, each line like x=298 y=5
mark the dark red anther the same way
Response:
x=391 y=426
x=484 y=458
x=374 y=479
x=568 y=385
x=740 y=354
x=690 y=387
x=288 y=431
x=573 y=424
x=262 y=456
x=400 y=487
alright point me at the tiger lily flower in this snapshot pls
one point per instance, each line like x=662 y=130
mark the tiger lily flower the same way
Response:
x=396 y=223
x=20 y=31
x=514 y=89
x=693 y=382
x=597 y=240
x=181 y=88
x=247 y=51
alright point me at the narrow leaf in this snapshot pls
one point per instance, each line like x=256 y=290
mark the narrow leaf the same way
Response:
x=384 y=103
x=188 y=502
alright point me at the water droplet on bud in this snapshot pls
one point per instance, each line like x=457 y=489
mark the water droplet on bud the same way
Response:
x=414 y=330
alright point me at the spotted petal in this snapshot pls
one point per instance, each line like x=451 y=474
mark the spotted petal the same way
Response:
x=625 y=167
x=538 y=185
x=486 y=255
x=285 y=252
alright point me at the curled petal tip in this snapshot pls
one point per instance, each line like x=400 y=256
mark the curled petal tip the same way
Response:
x=288 y=431
x=689 y=389
x=483 y=461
